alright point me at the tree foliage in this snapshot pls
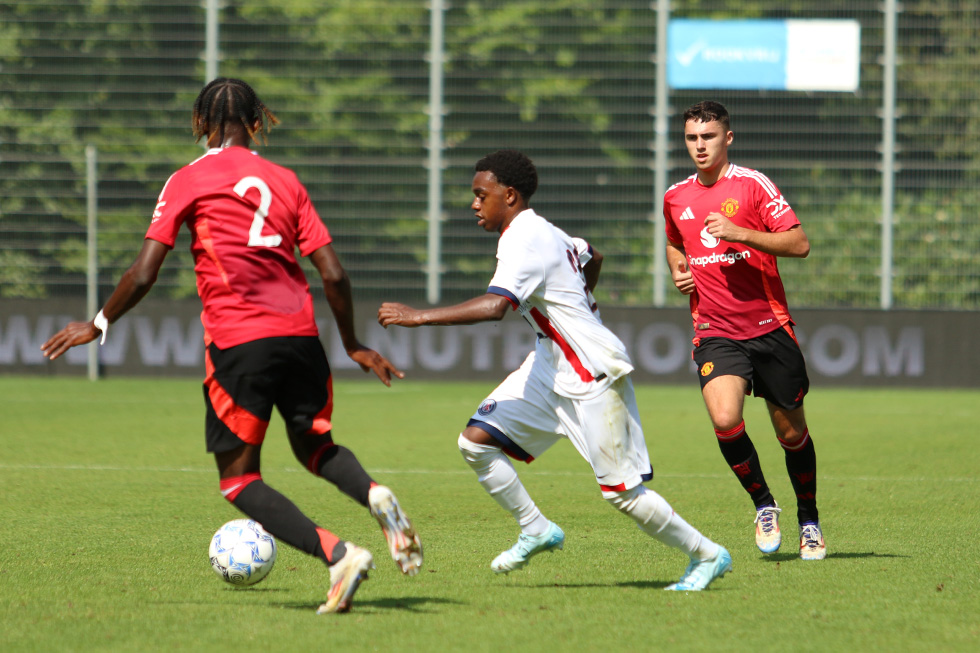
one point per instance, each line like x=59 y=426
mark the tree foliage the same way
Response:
x=569 y=80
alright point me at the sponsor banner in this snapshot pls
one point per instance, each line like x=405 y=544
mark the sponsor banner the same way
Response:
x=782 y=55
x=844 y=347
x=823 y=55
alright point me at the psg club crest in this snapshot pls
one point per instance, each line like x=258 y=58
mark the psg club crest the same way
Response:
x=487 y=407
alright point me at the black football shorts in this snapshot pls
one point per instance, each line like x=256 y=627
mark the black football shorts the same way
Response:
x=245 y=382
x=772 y=364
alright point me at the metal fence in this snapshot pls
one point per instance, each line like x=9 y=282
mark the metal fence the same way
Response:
x=385 y=106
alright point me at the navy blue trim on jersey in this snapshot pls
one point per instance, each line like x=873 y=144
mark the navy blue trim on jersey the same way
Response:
x=506 y=294
x=505 y=443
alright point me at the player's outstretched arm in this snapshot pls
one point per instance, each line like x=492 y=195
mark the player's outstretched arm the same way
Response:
x=132 y=287
x=486 y=308
x=336 y=286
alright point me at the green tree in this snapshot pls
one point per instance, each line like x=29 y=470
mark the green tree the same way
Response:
x=68 y=81
x=570 y=81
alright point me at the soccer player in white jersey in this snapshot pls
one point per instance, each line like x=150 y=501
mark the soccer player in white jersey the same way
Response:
x=575 y=384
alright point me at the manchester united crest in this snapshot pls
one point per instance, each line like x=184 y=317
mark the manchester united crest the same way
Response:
x=707 y=368
x=729 y=207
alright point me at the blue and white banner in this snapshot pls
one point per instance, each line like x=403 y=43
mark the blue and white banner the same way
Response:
x=782 y=55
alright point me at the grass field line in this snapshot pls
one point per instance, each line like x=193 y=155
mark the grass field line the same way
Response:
x=461 y=472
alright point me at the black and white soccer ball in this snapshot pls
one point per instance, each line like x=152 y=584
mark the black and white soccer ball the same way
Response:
x=242 y=552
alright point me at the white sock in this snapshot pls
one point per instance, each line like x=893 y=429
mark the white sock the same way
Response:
x=498 y=477
x=656 y=518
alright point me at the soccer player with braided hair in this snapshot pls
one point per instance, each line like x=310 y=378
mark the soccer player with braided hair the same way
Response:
x=233 y=100
x=247 y=218
x=574 y=385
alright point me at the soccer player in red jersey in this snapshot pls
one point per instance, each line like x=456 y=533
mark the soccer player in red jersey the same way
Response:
x=247 y=217
x=726 y=225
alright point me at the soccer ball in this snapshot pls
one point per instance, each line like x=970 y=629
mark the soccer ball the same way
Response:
x=242 y=552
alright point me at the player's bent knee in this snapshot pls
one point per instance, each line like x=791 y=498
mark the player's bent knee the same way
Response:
x=791 y=434
x=727 y=422
x=644 y=506
x=233 y=486
x=624 y=501
x=478 y=456
x=313 y=460
x=471 y=449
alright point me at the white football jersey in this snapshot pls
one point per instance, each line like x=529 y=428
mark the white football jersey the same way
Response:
x=539 y=270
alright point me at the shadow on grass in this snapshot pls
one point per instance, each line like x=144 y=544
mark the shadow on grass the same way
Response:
x=785 y=557
x=640 y=584
x=646 y=584
x=409 y=604
x=253 y=588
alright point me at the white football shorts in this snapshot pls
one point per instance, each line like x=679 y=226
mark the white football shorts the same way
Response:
x=525 y=416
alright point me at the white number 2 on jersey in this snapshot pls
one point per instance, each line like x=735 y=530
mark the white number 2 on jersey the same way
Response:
x=255 y=237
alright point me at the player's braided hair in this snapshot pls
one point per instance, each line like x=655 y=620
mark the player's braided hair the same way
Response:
x=225 y=100
x=511 y=168
x=706 y=111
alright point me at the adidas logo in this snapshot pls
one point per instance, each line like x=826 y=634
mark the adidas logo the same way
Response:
x=688 y=214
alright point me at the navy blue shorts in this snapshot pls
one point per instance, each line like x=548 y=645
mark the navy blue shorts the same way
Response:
x=772 y=364
x=245 y=382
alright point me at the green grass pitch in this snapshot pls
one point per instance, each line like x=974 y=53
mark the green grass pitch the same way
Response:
x=108 y=502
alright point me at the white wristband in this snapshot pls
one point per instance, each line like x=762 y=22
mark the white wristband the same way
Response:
x=102 y=324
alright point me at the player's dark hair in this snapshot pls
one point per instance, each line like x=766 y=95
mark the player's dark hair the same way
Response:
x=706 y=111
x=511 y=168
x=224 y=101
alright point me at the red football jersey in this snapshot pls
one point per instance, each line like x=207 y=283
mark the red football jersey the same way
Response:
x=738 y=293
x=246 y=216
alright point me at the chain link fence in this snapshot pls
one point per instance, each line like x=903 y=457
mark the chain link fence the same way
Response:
x=570 y=82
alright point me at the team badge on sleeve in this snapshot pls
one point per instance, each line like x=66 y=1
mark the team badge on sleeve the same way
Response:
x=487 y=407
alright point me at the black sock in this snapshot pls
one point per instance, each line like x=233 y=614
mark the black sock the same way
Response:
x=741 y=456
x=287 y=523
x=340 y=466
x=801 y=463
